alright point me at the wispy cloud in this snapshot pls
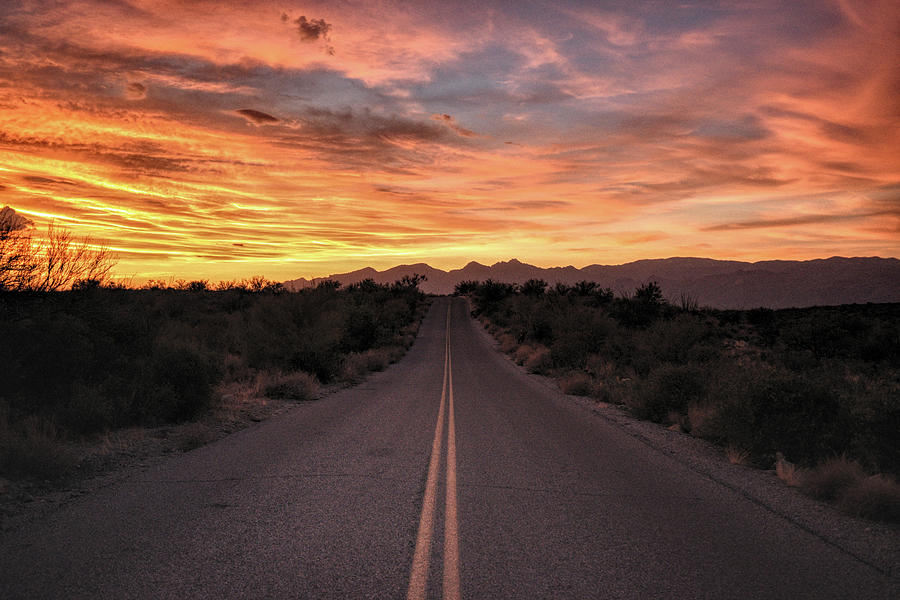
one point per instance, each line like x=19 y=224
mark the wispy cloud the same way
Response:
x=330 y=137
x=257 y=116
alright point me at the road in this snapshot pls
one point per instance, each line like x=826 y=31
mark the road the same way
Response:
x=515 y=492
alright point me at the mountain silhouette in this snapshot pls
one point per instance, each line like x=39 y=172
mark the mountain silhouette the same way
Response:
x=714 y=283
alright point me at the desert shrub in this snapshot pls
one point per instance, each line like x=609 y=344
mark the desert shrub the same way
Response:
x=98 y=358
x=523 y=353
x=539 y=361
x=770 y=410
x=874 y=404
x=828 y=480
x=533 y=287
x=181 y=383
x=600 y=367
x=508 y=343
x=578 y=334
x=670 y=388
x=289 y=386
x=357 y=365
x=576 y=383
x=874 y=497
x=91 y=409
x=811 y=383
x=642 y=308
x=685 y=338
x=362 y=330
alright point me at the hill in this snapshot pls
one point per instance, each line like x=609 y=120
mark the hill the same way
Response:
x=715 y=283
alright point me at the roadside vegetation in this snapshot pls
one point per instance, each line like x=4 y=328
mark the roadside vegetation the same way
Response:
x=81 y=357
x=813 y=393
x=93 y=359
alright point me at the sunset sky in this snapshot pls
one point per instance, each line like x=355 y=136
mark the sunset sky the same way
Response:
x=226 y=139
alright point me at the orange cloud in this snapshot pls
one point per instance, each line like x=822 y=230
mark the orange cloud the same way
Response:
x=220 y=140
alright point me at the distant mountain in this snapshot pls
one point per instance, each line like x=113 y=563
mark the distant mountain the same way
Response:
x=716 y=283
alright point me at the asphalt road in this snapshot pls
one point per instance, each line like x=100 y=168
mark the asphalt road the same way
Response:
x=364 y=495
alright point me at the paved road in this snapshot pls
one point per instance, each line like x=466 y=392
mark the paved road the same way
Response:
x=364 y=495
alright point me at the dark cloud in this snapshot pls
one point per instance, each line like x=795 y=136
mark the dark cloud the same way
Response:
x=135 y=91
x=47 y=180
x=311 y=30
x=10 y=220
x=452 y=124
x=365 y=139
x=256 y=116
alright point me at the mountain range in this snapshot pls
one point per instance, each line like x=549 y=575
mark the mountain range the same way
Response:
x=713 y=283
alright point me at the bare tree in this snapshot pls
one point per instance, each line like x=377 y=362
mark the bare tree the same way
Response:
x=66 y=260
x=18 y=264
x=54 y=264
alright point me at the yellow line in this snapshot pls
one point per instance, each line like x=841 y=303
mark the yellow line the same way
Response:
x=451 y=527
x=418 y=577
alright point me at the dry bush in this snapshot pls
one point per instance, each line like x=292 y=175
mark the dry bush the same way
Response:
x=523 y=353
x=296 y=385
x=670 y=388
x=576 y=383
x=875 y=497
x=507 y=343
x=539 y=361
x=830 y=479
x=34 y=449
x=358 y=364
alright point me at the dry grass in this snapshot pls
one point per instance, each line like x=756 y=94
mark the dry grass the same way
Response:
x=829 y=480
x=600 y=367
x=787 y=471
x=875 y=497
x=576 y=383
x=288 y=386
x=700 y=419
x=358 y=364
x=737 y=456
x=539 y=361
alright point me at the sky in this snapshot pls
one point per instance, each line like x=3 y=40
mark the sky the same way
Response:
x=227 y=139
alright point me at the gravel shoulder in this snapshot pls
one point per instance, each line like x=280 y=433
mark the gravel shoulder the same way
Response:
x=121 y=454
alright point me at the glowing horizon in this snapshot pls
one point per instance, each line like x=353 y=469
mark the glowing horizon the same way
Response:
x=205 y=140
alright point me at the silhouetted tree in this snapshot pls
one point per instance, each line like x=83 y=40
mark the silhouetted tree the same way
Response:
x=409 y=282
x=465 y=287
x=585 y=288
x=56 y=263
x=533 y=287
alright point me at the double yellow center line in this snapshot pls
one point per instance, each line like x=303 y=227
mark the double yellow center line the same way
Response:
x=418 y=577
